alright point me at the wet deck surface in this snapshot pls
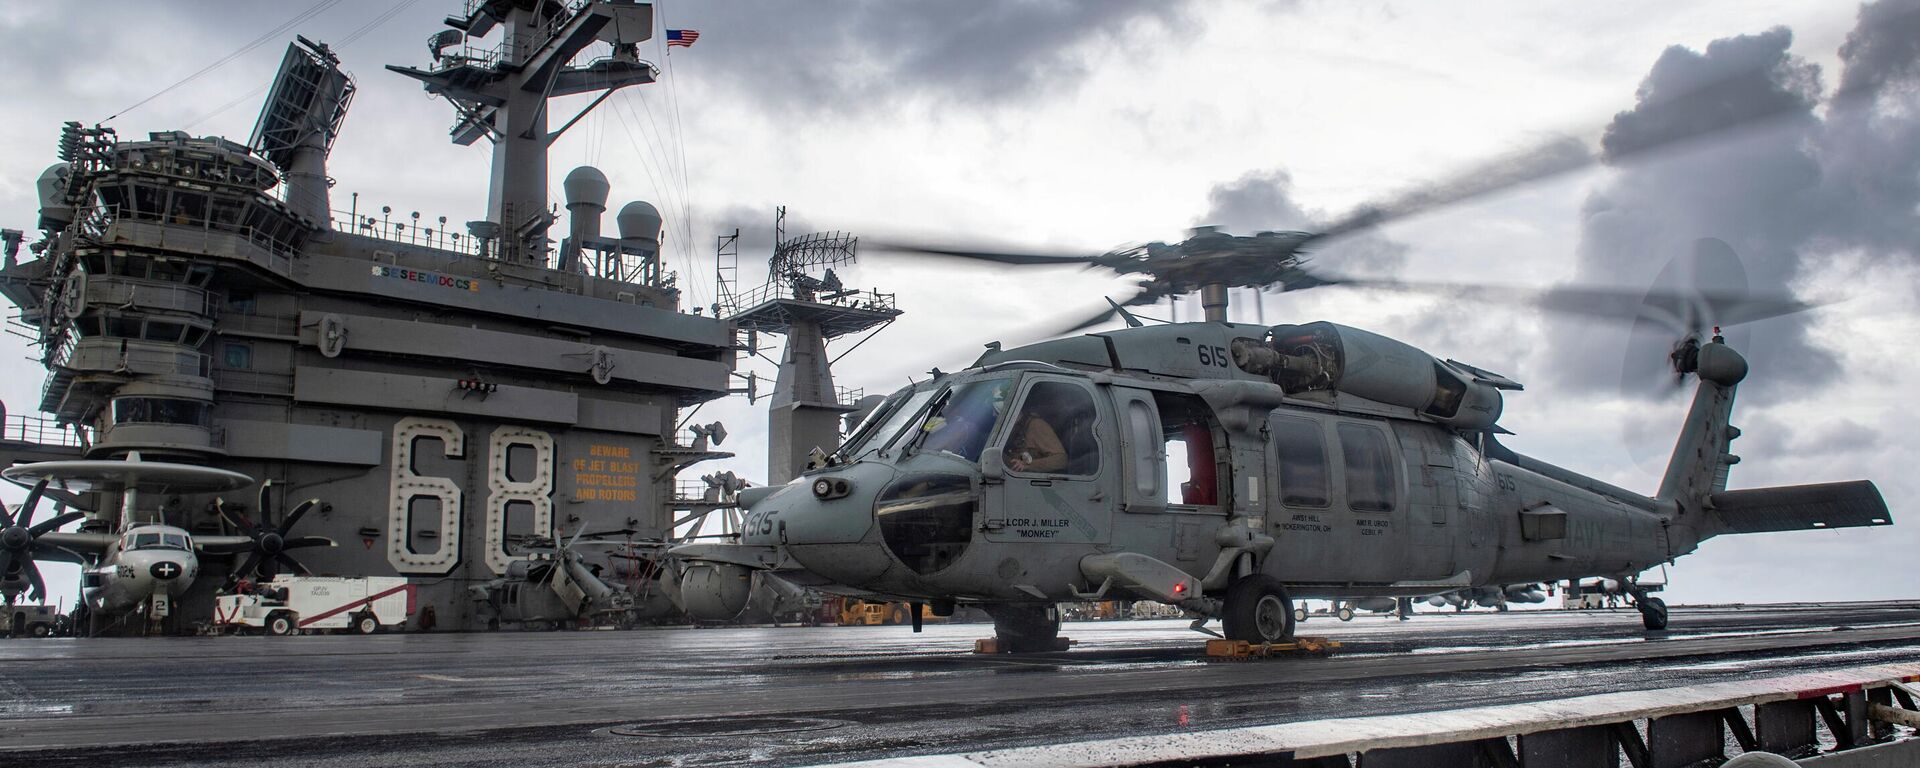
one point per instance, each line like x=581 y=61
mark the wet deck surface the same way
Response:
x=813 y=695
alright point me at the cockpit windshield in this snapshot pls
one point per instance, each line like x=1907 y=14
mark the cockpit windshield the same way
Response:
x=146 y=540
x=886 y=421
x=964 y=418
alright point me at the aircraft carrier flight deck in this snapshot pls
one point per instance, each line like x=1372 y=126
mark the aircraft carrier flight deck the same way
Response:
x=803 y=696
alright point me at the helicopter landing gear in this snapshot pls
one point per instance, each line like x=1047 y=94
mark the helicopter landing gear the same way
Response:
x=1258 y=610
x=1026 y=628
x=1653 y=611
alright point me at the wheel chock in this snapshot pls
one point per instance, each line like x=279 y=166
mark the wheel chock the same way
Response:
x=991 y=645
x=1299 y=646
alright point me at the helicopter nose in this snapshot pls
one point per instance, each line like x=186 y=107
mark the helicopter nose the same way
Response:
x=824 y=508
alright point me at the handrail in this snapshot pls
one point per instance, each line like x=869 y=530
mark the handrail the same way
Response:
x=781 y=289
x=39 y=430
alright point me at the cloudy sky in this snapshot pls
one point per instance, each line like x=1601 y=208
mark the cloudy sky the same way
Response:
x=1088 y=126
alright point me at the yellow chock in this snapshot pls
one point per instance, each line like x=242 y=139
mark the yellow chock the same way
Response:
x=1299 y=646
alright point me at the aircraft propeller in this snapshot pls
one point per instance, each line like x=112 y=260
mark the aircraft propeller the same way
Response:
x=17 y=537
x=269 y=545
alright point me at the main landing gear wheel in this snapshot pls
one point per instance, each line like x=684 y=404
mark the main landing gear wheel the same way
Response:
x=1653 y=612
x=1258 y=610
x=1026 y=628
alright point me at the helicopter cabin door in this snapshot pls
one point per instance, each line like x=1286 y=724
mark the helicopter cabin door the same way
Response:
x=1057 y=459
x=1175 y=470
x=1436 y=527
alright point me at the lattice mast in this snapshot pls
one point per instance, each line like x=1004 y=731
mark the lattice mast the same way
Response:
x=805 y=301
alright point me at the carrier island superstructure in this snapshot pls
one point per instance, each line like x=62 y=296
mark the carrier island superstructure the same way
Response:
x=446 y=391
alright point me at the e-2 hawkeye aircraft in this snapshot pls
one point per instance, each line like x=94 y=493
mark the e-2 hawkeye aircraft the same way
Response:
x=1229 y=469
x=146 y=565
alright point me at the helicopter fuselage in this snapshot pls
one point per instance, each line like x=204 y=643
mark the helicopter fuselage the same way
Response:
x=1169 y=480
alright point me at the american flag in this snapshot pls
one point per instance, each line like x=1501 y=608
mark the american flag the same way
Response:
x=683 y=38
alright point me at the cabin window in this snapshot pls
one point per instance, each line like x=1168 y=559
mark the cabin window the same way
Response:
x=163 y=331
x=1303 y=461
x=1190 y=443
x=1144 y=441
x=1053 y=434
x=1369 y=465
x=161 y=410
x=236 y=356
x=121 y=326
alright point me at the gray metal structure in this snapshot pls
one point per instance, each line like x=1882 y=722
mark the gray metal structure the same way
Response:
x=446 y=394
x=805 y=301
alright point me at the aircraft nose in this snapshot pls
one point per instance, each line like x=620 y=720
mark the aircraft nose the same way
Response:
x=166 y=570
x=828 y=508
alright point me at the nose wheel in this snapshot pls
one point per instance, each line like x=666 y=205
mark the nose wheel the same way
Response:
x=1258 y=610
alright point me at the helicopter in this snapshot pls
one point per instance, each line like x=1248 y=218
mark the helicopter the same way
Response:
x=1231 y=469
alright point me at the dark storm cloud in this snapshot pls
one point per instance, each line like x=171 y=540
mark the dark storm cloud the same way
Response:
x=1748 y=158
x=1738 y=81
x=1871 y=146
x=867 y=53
x=1882 y=51
x=1264 y=200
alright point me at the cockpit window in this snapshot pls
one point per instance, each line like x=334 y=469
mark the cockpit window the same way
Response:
x=963 y=419
x=175 y=541
x=1054 y=432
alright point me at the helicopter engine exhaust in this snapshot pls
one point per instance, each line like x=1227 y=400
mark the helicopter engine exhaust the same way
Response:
x=1323 y=356
x=715 y=591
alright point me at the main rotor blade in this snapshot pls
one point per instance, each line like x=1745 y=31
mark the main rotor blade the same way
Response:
x=1147 y=294
x=1552 y=158
x=1702 y=307
x=1565 y=154
x=55 y=523
x=1017 y=258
